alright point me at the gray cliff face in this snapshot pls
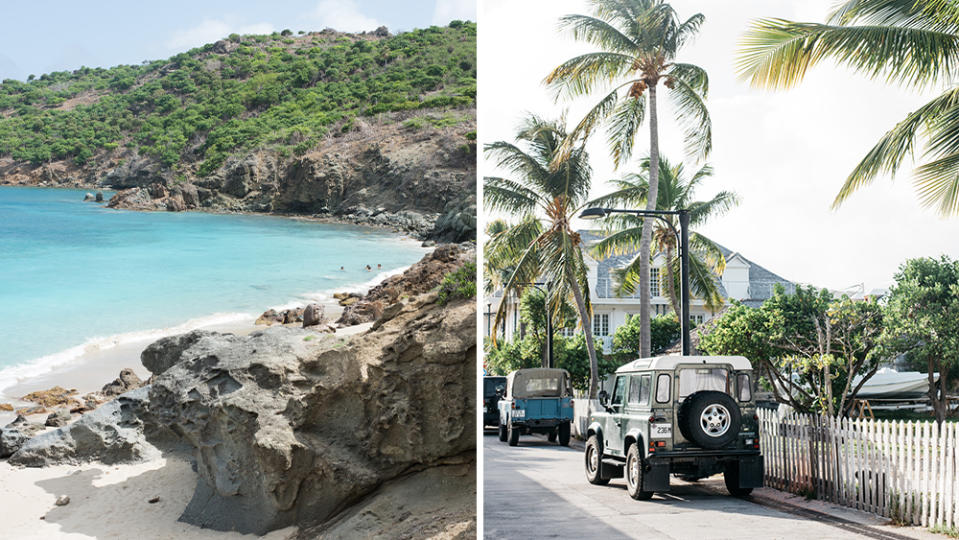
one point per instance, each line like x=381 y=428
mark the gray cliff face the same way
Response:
x=291 y=431
x=421 y=182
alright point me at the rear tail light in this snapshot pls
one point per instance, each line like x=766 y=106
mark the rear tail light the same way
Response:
x=660 y=444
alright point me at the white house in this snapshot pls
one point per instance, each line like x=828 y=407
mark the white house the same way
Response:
x=742 y=280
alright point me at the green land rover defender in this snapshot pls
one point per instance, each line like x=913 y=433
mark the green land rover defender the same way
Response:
x=692 y=416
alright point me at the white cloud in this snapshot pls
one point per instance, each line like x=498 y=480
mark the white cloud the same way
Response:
x=449 y=10
x=342 y=15
x=210 y=30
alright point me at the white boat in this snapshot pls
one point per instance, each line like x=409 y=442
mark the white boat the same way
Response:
x=891 y=384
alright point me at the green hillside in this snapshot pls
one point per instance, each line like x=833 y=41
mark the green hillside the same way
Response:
x=282 y=90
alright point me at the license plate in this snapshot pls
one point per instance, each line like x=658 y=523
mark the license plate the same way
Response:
x=519 y=413
x=661 y=431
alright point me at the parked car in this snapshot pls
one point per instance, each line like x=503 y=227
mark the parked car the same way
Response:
x=537 y=400
x=493 y=388
x=691 y=416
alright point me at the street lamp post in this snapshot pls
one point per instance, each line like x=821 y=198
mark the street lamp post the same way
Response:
x=682 y=237
x=549 y=321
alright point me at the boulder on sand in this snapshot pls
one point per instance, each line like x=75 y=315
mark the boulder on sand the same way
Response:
x=15 y=434
x=127 y=381
x=111 y=434
x=313 y=315
x=269 y=317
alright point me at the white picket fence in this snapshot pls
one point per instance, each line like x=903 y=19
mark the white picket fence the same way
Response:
x=906 y=471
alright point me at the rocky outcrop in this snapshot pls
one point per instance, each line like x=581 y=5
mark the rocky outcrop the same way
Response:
x=287 y=430
x=111 y=434
x=423 y=276
x=53 y=397
x=58 y=418
x=160 y=355
x=420 y=182
x=127 y=381
x=15 y=434
x=158 y=197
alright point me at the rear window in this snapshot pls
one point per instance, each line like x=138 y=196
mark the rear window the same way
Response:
x=545 y=386
x=662 y=388
x=745 y=389
x=490 y=386
x=692 y=380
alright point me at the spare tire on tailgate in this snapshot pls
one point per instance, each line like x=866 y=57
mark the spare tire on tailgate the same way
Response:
x=710 y=419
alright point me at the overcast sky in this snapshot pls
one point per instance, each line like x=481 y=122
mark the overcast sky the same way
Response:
x=47 y=35
x=785 y=153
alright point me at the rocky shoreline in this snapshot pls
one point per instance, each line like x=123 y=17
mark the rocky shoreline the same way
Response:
x=420 y=182
x=327 y=424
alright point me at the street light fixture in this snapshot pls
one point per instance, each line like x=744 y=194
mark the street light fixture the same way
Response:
x=682 y=237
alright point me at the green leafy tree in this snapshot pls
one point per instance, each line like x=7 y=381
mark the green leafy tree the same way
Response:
x=638 y=42
x=545 y=194
x=922 y=320
x=913 y=43
x=533 y=312
x=571 y=354
x=808 y=346
x=625 y=232
x=664 y=331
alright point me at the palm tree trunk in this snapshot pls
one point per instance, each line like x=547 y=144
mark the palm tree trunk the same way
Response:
x=646 y=239
x=588 y=332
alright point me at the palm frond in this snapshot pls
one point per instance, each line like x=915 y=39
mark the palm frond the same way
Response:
x=776 y=53
x=514 y=159
x=895 y=145
x=624 y=124
x=693 y=116
x=688 y=29
x=701 y=211
x=598 y=32
x=582 y=74
x=622 y=241
x=505 y=195
x=937 y=184
x=695 y=76
x=937 y=15
x=703 y=284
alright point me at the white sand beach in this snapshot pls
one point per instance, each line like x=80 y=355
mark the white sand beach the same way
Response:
x=102 y=500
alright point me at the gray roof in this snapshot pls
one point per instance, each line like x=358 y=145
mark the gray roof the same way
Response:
x=761 y=280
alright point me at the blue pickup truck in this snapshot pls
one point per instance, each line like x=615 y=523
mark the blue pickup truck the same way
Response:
x=536 y=400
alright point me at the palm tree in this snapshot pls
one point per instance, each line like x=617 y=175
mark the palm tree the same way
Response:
x=676 y=191
x=638 y=41
x=545 y=198
x=909 y=42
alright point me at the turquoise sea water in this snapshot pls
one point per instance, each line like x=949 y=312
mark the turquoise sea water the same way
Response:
x=75 y=273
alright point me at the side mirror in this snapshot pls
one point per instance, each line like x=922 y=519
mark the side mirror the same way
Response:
x=603 y=398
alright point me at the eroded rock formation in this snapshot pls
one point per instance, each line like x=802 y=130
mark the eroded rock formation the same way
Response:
x=291 y=431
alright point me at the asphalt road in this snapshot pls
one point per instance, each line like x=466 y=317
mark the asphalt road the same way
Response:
x=538 y=490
